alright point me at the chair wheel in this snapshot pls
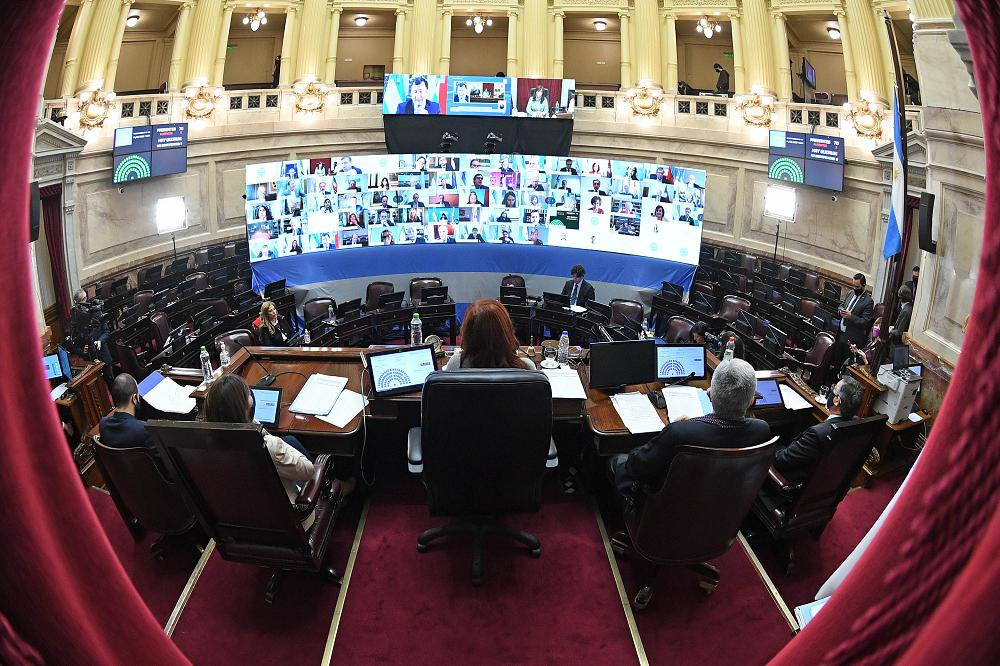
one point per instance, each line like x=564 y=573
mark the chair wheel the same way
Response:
x=536 y=552
x=642 y=598
x=422 y=548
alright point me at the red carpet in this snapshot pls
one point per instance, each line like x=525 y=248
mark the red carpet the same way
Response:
x=226 y=620
x=816 y=560
x=404 y=607
x=159 y=582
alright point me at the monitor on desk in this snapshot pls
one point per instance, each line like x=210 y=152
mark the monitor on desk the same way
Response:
x=511 y=295
x=770 y=394
x=600 y=308
x=349 y=309
x=552 y=299
x=432 y=295
x=680 y=360
x=702 y=302
x=400 y=370
x=774 y=341
x=51 y=365
x=276 y=288
x=745 y=323
x=266 y=406
x=831 y=290
x=615 y=364
x=391 y=301
x=900 y=356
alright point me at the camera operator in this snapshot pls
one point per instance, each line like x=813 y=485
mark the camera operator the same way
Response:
x=88 y=334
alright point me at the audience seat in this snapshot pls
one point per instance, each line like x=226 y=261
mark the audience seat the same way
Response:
x=201 y=256
x=233 y=341
x=229 y=250
x=807 y=307
x=129 y=360
x=729 y=305
x=160 y=328
x=624 y=311
x=142 y=300
x=317 y=308
x=373 y=291
x=703 y=287
x=812 y=282
x=102 y=289
x=199 y=280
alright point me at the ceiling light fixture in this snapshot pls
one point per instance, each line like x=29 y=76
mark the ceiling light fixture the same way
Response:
x=833 y=32
x=600 y=25
x=479 y=23
x=708 y=27
x=132 y=20
x=255 y=19
x=361 y=21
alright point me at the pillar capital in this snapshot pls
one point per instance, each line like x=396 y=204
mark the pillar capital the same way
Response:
x=623 y=15
x=559 y=13
x=512 y=14
x=447 y=11
x=666 y=14
x=734 y=14
x=839 y=13
x=778 y=15
x=291 y=9
x=336 y=10
x=127 y=3
x=185 y=6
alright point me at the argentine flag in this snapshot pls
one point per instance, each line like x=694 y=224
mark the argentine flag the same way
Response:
x=893 y=243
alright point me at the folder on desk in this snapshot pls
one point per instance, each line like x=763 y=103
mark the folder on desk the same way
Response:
x=166 y=395
x=686 y=401
x=319 y=395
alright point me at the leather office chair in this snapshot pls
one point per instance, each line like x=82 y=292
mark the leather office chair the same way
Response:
x=748 y=262
x=729 y=305
x=373 y=291
x=811 y=282
x=478 y=464
x=201 y=257
x=240 y=501
x=512 y=281
x=703 y=287
x=142 y=300
x=241 y=285
x=145 y=495
x=786 y=510
x=815 y=362
x=199 y=280
x=317 y=307
x=220 y=306
x=160 y=328
x=233 y=341
x=696 y=513
x=623 y=311
x=678 y=329
x=129 y=360
x=807 y=307
x=783 y=272
x=417 y=287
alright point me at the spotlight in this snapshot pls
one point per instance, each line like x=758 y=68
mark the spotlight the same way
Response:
x=489 y=22
x=600 y=25
x=361 y=21
x=833 y=32
x=718 y=27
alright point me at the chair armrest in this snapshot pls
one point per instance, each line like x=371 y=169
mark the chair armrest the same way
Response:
x=552 y=459
x=797 y=354
x=414 y=451
x=310 y=491
x=775 y=477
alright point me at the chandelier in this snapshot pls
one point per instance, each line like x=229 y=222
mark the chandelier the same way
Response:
x=867 y=115
x=708 y=27
x=255 y=19
x=479 y=23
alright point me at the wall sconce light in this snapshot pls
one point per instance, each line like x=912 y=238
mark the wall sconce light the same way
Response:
x=867 y=115
x=644 y=100
x=756 y=107
x=200 y=102
x=94 y=107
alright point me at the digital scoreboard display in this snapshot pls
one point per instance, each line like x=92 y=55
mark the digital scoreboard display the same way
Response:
x=810 y=159
x=149 y=151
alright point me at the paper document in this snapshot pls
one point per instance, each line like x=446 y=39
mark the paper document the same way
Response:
x=686 y=401
x=792 y=398
x=575 y=308
x=566 y=384
x=166 y=395
x=806 y=612
x=58 y=391
x=916 y=418
x=348 y=405
x=318 y=395
x=637 y=412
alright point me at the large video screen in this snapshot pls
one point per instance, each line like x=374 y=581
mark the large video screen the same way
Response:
x=345 y=203
x=148 y=151
x=809 y=159
x=408 y=94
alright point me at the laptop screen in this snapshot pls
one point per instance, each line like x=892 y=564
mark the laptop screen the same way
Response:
x=267 y=406
x=51 y=365
x=770 y=394
x=400 y=370
x=674 y=361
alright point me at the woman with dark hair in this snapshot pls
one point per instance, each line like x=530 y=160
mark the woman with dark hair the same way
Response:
x=488 y=339
x=384 y=183
x=266 y=210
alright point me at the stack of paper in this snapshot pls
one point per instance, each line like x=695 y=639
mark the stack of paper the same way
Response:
x=792 y=399
x=637 y=412
x=566 y=384
x=575 y=308
x=166 y=395
x=348 y=405
x=319 y=395
x=686 y=401
x=806 y=612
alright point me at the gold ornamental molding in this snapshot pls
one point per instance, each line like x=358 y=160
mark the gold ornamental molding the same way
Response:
x=811 y=5
x=644 y=101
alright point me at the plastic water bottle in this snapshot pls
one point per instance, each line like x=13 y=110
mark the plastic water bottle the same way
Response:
x=206 y=364
x=306 y=337
x=329 y=313
x=730 y=349
x=646 y=333
x=563 y=355
x=416 y=330
x=223 y=355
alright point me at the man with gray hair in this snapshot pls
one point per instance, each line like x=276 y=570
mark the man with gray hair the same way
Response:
x=798 y=459
x=734 y=388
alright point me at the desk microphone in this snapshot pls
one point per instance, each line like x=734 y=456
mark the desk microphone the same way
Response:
x=679 y=380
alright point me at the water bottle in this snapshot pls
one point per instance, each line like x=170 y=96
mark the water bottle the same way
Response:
x=306 y=337
x=563 y=355
x=416 y=330
x=730 y=349
x=223 y=355
x=329 y=313
x=646 y=333
x=206 y=364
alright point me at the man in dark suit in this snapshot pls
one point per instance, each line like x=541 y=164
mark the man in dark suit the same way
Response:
x=569 y=168
x=857 y=313
x=121 y=429
x=580 y=291
x=798 y=459
x=914 y=278
x=902 y=325
x=734 y=389
x=417 y=103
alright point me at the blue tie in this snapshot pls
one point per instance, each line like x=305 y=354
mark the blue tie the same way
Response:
x=572 y=296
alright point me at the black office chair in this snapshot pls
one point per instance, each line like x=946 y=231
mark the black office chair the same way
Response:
x=478 y=464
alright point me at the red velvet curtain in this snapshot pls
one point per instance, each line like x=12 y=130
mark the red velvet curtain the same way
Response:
x=62 y=590
x=52 y=219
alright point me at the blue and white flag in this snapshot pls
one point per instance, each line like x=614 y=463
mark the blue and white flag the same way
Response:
x=893 y=243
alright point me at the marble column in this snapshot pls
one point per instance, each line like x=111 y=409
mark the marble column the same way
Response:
x=933 y=9
x=288 y=47
x=647 y=43
x=867 y=56
x=331 y=45
x=445 y=61
x=181 y=34
x=97 y=50
x=557 y=44
x=888 y=69
x=202 y=43
x=626 y=51
x=759 y=61
x=219 y=70
x=534 y=62
x=308 y=52
x=116 y=45
x=782 y=69
x=512 y=43
x=77 y=40
x=669 y=40
x=846 y=44
x=423 y=51
x=739 y=73
x=397 y=41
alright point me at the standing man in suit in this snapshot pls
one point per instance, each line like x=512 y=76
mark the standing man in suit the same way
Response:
x=121 y=429
x=580 y=291
x=857 y=313
x=798 y=459
x=417 y=102
x=899 y=331
x=914 y=278
x=722 y=83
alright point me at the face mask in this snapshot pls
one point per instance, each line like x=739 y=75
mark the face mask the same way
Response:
x=859 y=291
x=875 y=331
x=830 y=398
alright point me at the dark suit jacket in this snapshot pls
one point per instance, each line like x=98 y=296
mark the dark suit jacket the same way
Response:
x=862 y=317
x=121 y=430
x=268 y=339
x=646 y=467
x=407 y=107
x=586 y=294
x=798 y=459
x=902 y=324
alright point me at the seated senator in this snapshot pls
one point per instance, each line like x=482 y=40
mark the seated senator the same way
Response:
x=734 y=387
x=798 y=459
x=580 y=291
x=488 y=339
x=122 y=429
x=274 y=330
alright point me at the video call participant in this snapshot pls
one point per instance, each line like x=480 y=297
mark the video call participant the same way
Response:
x=596 y=188
x=505 y=237
x=122 y=429
x=569 y=168
x=488 y=339
x=580 y=291
x=534 y=237
x=347 y=167
x=417 y=102
x=475 y=235
x=274 y=330
x=734 y=388
x=686 y=217
x=798 y=459
x=595 y=205
x=538 y=103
